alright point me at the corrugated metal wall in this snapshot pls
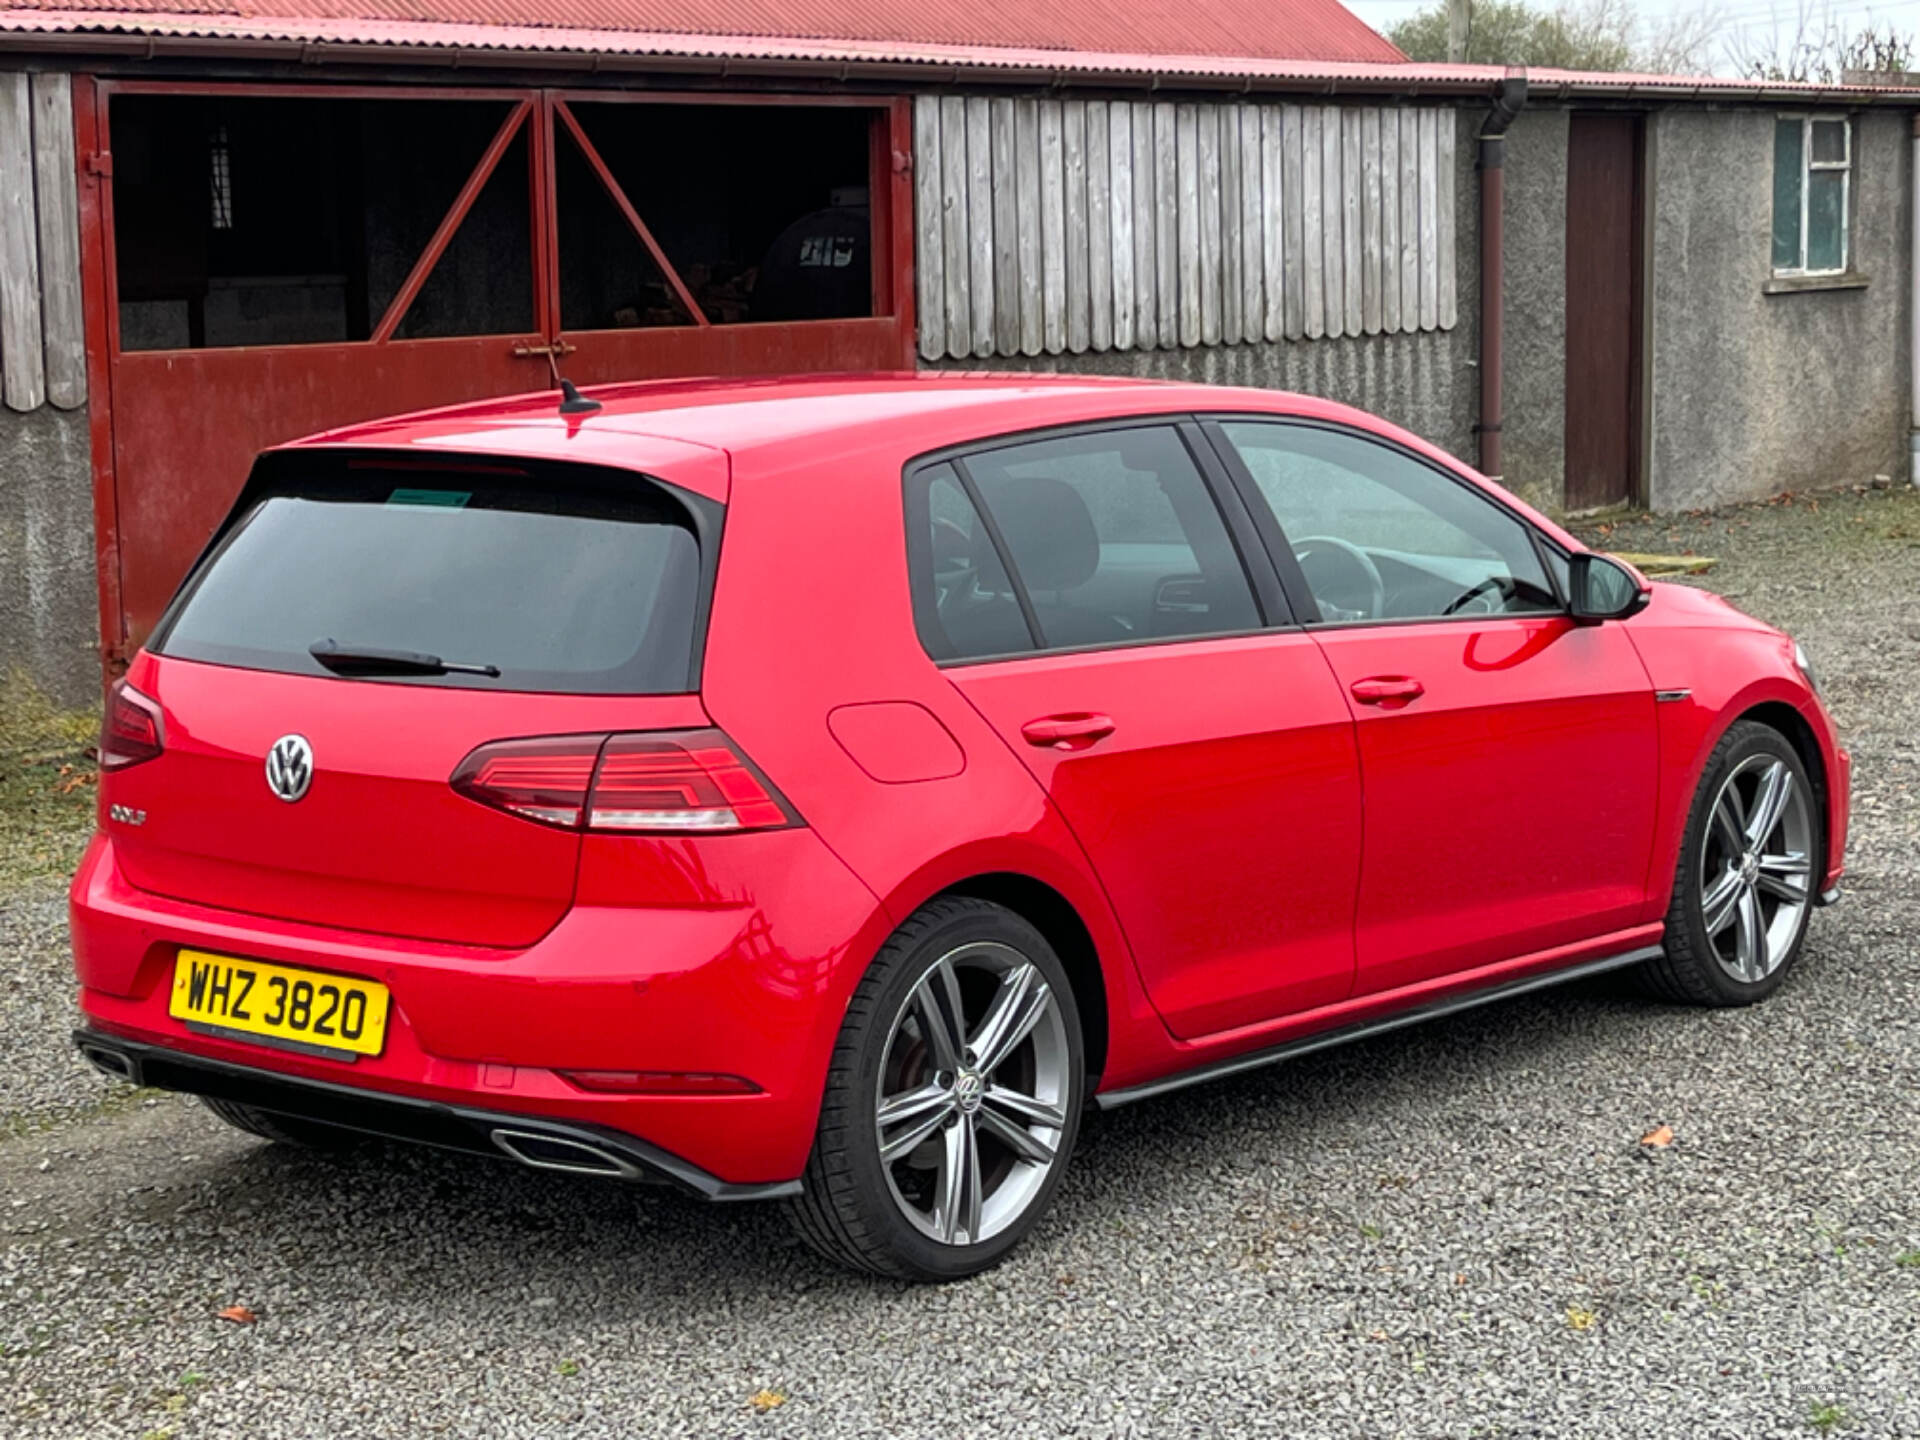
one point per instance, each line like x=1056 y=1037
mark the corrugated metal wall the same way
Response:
x=43 y=350
x=1062 y=226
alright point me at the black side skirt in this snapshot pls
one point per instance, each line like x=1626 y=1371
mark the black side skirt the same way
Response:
x=1307 y=1044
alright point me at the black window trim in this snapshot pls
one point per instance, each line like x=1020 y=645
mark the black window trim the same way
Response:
x=1280 y=553
x=1270 y=600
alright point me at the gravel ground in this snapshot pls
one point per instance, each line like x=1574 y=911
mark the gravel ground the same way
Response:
x=1452 y=1231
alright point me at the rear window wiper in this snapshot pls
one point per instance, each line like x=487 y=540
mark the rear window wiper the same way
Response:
x=370 y=660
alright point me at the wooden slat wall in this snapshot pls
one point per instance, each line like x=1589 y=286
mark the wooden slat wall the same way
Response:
x=1061 y=226
x=43 y=354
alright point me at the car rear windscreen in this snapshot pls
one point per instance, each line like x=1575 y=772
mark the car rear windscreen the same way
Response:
x=564 y=579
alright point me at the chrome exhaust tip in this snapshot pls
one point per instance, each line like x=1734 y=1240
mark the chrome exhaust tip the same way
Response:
x=543 y=1151
x=110 y=1063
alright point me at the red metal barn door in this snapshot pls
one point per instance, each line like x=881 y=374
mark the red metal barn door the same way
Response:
x=281 y=260
x=730 y=235
x=268 y=261
x=1603 y=309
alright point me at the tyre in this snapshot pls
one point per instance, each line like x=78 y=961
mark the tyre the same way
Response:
x=952 y=1100
x=1745 y=882
x=282 y=1129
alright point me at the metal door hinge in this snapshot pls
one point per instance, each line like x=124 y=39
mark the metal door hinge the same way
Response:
x=100 y=162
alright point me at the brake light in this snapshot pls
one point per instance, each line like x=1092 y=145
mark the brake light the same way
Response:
x=680 y=782
x=130 y=731
x=545 y=780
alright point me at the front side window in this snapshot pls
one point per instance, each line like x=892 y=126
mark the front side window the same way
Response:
x=1113 y=538
x=1812 y=181
x=1379 y=535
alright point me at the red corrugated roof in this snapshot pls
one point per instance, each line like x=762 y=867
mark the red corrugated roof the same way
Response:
x=165 y=26
x=1250 y=29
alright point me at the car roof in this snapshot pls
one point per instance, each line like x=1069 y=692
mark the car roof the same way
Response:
x=745 y=416
x=775 y=425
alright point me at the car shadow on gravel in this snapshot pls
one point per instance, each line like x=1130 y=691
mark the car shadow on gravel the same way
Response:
x=614 y=1250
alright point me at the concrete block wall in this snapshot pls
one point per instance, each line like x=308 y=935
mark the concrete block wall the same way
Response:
x=49 y=624
x=1755 y=393
x=1534 y=435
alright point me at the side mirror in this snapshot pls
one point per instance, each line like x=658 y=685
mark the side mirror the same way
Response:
x=1603 y=588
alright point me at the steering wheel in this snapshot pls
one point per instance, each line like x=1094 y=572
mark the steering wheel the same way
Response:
x=1495 y=583
x=1346 y=556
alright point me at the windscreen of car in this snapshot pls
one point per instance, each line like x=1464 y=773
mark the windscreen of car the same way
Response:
x=563 y=580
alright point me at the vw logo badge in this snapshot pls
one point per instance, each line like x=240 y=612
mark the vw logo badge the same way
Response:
x=290 y=767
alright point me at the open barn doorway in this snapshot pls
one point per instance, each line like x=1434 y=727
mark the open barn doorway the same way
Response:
x=269 y=261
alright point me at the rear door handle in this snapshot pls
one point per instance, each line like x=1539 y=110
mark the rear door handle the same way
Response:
x=1387 y=690
x=1074 y=731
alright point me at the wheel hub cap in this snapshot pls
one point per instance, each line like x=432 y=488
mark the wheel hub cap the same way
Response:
x=1749 y=868
x=967 y=1089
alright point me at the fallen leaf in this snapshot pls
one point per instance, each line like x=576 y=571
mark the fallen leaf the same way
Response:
x=1580 y=1319
x=239 y=1315
x=73 y=778
x=1658 y=1139
x=765 y=1400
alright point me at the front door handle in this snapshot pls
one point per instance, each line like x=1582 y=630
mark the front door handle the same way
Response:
x=1387 y=690
x=1074 y=731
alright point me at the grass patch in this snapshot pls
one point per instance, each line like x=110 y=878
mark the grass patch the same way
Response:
x=48 y=782
x=1827 y=1417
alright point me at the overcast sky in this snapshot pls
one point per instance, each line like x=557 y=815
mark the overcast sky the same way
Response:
x=1753 y=21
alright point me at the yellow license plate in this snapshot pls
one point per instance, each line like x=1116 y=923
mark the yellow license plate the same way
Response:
x=307 y=1008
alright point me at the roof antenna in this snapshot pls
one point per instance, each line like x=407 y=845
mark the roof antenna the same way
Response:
x=572 y=402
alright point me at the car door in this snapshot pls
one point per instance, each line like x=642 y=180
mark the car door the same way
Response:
x=1087 y=596
x=1508 y=755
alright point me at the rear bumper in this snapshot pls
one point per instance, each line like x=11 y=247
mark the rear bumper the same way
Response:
x=575 y=1148
x=749 y=977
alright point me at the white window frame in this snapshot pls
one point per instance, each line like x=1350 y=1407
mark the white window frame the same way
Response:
x=1808 y=166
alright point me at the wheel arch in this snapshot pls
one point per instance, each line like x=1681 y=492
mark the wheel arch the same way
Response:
x=1061 y=925
x=1786 y=719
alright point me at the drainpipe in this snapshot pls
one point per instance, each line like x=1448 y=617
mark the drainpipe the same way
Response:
x=1507 y=103
x=1913 y=308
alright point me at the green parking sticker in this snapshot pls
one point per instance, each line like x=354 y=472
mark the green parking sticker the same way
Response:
x=446 y=499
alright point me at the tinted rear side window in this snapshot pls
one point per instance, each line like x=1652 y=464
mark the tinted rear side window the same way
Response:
x=1115 y=538
x=564 y=579
x=963 y=601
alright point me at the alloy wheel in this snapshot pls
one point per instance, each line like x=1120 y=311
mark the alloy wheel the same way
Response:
x=970 y=1104
x=1756 y=868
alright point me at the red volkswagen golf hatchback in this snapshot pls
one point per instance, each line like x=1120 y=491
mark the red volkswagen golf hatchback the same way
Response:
x=825 y=789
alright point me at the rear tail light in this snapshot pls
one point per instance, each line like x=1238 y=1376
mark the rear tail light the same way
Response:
x=130 y=730
x=544 y=780
x=692 y=781
x=681 y=782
